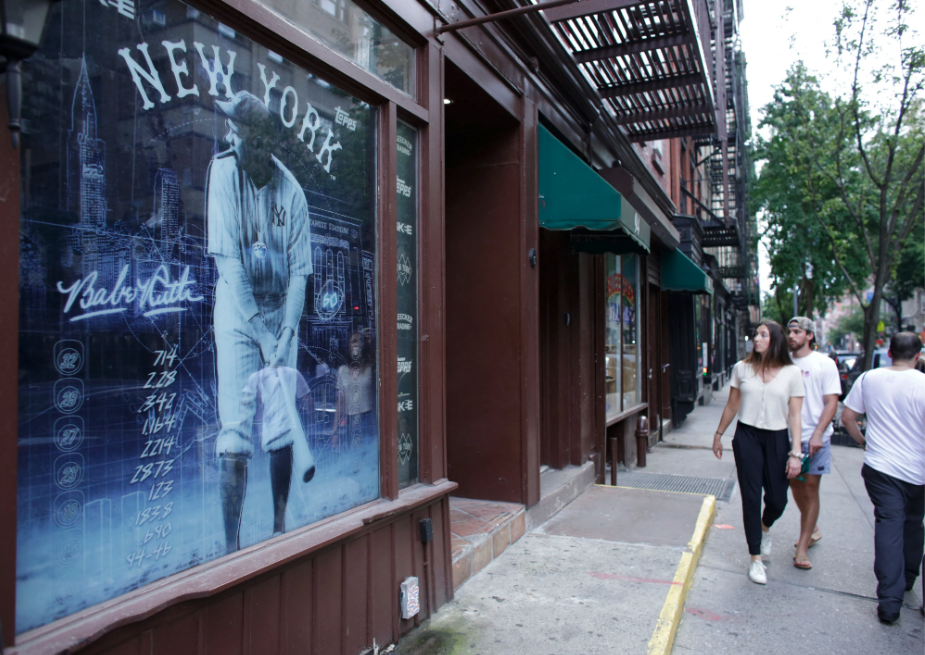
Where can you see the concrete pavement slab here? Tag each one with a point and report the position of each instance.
(556, 595)
(726, 613)
(629, 515)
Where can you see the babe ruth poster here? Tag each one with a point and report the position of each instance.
(198, 335)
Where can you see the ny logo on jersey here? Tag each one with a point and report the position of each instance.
(279, 216)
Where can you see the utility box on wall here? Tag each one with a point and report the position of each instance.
(410, 598)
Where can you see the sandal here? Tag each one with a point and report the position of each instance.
(804, 563)
(813, 538)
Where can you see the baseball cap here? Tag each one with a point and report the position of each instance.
(244, 107)
(805, 324)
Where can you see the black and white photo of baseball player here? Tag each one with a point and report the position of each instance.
(258, 232)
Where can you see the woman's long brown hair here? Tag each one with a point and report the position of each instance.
(777, 352)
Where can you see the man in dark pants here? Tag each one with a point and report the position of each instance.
(894, 467)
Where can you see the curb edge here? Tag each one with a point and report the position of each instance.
(670, 617)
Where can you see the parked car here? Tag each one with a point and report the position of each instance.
(880, 359)
(844, 360)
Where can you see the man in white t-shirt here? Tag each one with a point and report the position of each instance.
(894, 467)
(820, 380)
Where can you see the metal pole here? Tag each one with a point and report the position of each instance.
(452, 27)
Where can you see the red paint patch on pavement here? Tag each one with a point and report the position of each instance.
(723, 526)
(706, 615)
(628, 578)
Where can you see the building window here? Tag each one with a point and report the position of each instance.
(346, 28)
(198, 294)
(407, 297)
(622, 353)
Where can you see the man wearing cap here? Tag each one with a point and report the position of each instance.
(258, 233)
(822, 386)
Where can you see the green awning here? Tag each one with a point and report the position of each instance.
(572, 195)
(679, 273)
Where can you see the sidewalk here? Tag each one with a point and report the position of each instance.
(602, 574)
(829, 609)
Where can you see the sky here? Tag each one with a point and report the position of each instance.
(777, 33)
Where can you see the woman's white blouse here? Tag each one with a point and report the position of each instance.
(765, 406)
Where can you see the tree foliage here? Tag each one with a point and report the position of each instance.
(843, 182)
(850, 323)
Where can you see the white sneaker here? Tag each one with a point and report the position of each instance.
(766, 544)
(756, 572)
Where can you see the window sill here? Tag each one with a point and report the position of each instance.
(626, 414)
(86, 626)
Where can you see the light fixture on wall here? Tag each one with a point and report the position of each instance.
(21, 25)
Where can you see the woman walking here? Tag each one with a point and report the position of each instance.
(767, 394)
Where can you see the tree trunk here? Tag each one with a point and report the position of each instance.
(872, 311)
(809, 297)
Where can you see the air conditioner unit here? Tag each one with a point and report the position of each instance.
(154, 17)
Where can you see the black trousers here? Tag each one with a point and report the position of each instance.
(761, 462)
(899, 535)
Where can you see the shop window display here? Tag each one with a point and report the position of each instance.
(632, 354)
(613, 339)
(198, 326)
(622, 354)
(407, 188)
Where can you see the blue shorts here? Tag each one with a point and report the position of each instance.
(822, 462)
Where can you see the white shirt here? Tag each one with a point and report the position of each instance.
(894, 402)
(820, 379)
(766, 405)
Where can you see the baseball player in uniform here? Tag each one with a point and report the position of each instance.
(258, 233)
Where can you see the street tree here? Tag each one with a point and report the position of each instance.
(908, 274)
(845, 182)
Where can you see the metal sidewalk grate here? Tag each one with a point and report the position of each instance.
(719, 487)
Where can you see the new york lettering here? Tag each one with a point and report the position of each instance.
(147, 78)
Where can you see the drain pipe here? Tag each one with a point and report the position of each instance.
(642, 441)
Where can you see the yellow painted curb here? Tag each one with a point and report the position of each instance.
(667, 626)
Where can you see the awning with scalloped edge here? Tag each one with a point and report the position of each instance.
(572, 195)
(679, 273)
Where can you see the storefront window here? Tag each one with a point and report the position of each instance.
(622, 359)
(198, 327)
(632, 354)
(407, 188)
(349, 30)
(613, 338)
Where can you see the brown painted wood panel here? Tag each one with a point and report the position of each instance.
(439, 561)
(356, 595)
(140, 645)
(404, 565)
(295, 616)
(388, 307)
(327, 601)
(177, 637)
(262, 607)
(419, 564)
(586, 356)
(529, 305)
(224, 623)
(9, 367)
(381, 576)
(484, 423)
(431, 335)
